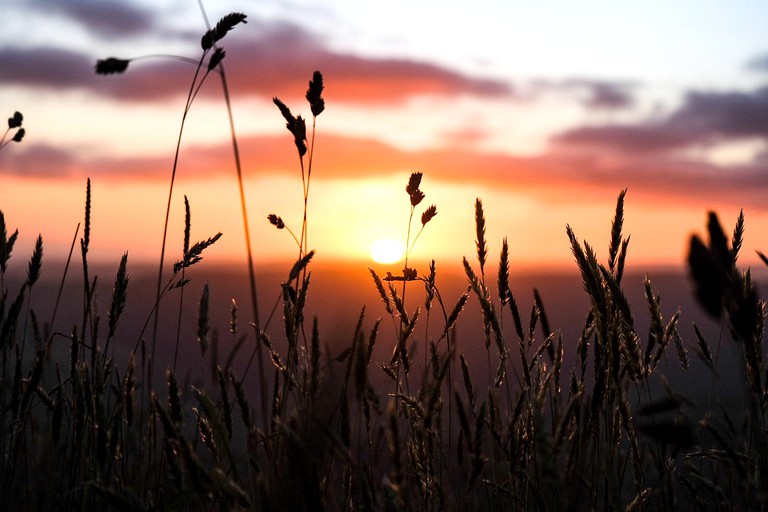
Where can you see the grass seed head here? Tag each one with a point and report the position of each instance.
(216, 58)
(314, 94)
(15, 120)
(35, 263)
(218, 32)
(111, 66)
(428, 214)
(6, 244)
(413, 183)
(276, 221)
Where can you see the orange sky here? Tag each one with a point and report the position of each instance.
(541, 146)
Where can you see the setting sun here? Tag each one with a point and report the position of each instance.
(387, 250)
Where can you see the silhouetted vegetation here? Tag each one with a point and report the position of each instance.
(556, 421)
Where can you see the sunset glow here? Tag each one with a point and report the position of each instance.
(387, 250)
(415, 255)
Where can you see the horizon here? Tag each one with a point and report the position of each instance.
(340, 293)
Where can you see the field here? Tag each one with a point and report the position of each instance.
(436, 386)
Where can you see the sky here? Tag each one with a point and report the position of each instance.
(543, 110)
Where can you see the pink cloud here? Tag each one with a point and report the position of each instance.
(263, 59)
(558, 176)
(106, 19)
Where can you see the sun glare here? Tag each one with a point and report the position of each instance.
(387, 250)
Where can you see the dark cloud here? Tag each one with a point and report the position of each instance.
(59, 70)
(262, 59)
(603, 94)
(277, 59)
(48, 68)
(593, 94)
(274, 53)
(39, 161)
(651, 155)
(704, 118)
(641, 138)
(723, 115)
(107, 19)
(609, 96)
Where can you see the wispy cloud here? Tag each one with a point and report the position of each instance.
(715, 115)
(554, 176)
(265, 59)
(592, 93)
(659, 155)
(628, 138)
(104, 19)
(45, 68)
(40, 160)
(704, 118)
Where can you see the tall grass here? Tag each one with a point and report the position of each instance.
(555, 421)
(210, 60)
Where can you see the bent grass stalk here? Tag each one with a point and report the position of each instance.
(209, 47)
(187, 107)
(244, 214)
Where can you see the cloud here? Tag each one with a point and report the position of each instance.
(556, 176)
(38, 161)
(593, 94)
(278, 58)
(660, 155)
(605, 95)
(723, 115)
(758, 63)
(106, 19)
(263, 59)
(48, 68)
(266, 59)
(704, 118)
(59, 69)
(642, 138)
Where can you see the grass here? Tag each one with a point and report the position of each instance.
(555, 421)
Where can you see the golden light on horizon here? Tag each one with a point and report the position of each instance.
(387, 250)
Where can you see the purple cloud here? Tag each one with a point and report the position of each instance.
(49, 68)
(39, 161)
(605, 95)
(263, 59)
(268, 59)
(727, 115)
(650, 155)
(594, 94)
(703, 118)
(555, 176)
(106, 19)
(640, 138)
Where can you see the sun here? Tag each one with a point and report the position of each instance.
(387, 250)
